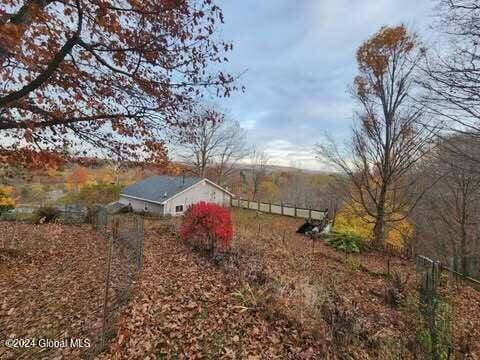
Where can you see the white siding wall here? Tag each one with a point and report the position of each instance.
(140, 205)
(203, 191)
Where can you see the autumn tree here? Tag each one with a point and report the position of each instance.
(101, 76)
(388, 138)
(7, 201)
(258, 171)
(269, 191)
(78, 177)
(214, 142)
(232, 150)
(106, 175)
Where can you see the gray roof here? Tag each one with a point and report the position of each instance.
(115, 207)
(160, 188)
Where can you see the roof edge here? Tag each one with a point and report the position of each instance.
(201, 179)
(218, 186)
(143, 199)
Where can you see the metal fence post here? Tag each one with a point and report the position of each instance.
(141, 239)
(107, 287)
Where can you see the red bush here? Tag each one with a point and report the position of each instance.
(207, 225)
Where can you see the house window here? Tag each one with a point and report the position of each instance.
(179, 208)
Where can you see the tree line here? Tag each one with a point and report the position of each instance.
(414, 152)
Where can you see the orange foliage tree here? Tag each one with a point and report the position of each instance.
(388, 138)
(78, 177)
(103, 76)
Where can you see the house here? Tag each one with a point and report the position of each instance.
(171, 195)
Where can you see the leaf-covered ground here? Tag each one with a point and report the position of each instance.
(186, 306)
(360, 279)
(52, 287)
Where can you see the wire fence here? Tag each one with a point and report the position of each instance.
(429, 270)
(123, 262)
(468, 266)
(280, 209)
(68, 214)
(435, 307)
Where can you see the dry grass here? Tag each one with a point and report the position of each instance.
(369, 304)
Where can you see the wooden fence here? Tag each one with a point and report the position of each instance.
(279, 209)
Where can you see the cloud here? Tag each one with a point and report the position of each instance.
(300, 60)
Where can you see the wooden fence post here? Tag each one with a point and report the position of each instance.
(281, 208)
(295, 210)
(310, 213)
(270, 208)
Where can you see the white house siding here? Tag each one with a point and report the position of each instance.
(141, 205)
(202, 191)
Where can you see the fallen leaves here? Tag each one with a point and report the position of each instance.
(52, 288)
(183, 308)
(186, 307)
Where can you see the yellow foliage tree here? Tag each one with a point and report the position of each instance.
(105, 175)
(7, 201)
(353, 220)
(269, 191)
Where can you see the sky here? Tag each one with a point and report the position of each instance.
(299, 58)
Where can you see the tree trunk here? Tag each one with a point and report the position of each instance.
(463, 238)
(379, 229)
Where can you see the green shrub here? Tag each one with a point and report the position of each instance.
(345, 242)
(6, 208)
(46, 214)
(8, 216)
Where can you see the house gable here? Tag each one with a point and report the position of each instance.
(203, 181)
(202, 191)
